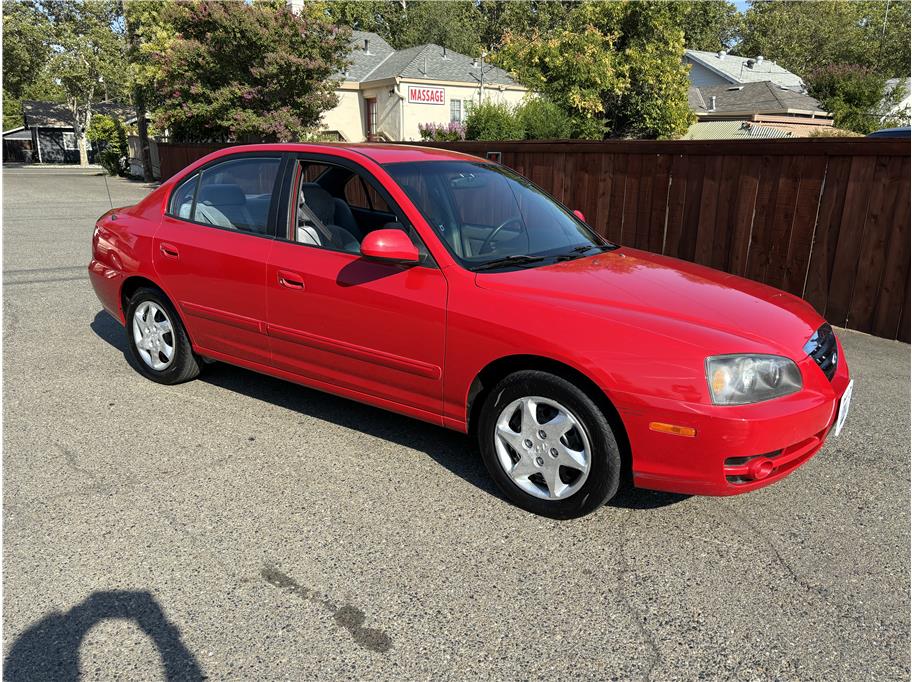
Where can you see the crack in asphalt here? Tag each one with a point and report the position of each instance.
(813, 594)
(347, 616)
(639, 616)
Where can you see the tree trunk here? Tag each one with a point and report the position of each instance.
(83, 152)
(142, 128)
(139, 99)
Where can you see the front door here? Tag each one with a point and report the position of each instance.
(370, 118)
(211, 250)
(369, 330)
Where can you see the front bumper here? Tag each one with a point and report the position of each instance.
(787, 431)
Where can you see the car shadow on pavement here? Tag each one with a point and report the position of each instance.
(454, 451)
(49, 649)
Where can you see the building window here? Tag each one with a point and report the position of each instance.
(456, 110)
(371, 117)
(69, 141)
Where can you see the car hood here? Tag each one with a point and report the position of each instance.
(671, 291)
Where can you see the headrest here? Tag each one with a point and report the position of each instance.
(319, 201)
(222, 195)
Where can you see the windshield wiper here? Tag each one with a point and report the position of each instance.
(515, 259)
(580, 250)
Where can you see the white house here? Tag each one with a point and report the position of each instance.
(386, 93)
(720, 68)
(904, 106)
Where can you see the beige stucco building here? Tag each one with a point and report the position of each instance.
(385, 93)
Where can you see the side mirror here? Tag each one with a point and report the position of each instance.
(389, 245)
(579, 214)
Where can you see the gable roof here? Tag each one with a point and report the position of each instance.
(424, 62)
(55, 115)
(752, 98)
(737, 69)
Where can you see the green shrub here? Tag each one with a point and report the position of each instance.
(542, 119)
(493, 121)
(108, 137)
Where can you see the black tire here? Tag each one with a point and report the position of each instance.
(605, 468)
(184, 365)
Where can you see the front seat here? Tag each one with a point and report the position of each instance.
(321, 204)
(344, 218)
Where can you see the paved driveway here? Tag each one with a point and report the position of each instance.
(239, 527)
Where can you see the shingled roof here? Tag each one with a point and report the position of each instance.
(39, 114)
(751, 98)
(737, 69)
(423, 62)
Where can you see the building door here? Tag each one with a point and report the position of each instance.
(370, 118)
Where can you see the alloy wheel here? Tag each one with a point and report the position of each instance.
(153, 335)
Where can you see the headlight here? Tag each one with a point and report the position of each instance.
(743, 379)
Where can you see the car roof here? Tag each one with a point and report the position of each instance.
(891, 132)
(379, 152)
(401, 153)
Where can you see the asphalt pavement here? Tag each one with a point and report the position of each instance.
(241, 527)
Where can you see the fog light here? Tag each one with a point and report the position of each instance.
(760, 468)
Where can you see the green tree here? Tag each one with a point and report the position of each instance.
(492, 121)
(455, 24)
(711, 25)
(617, 67)
(26, 54)
(857, 97)
(240, 70)
(520, 17)
(108, 136)
(150, 30)
(542, 119)
(88, 57)
(804, 36)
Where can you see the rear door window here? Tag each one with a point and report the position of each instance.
(236, 194)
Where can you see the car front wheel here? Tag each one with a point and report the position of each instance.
(157, 340)
(548, 445)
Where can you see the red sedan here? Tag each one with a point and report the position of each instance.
(453, 290)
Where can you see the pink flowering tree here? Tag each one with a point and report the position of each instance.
(244, 72)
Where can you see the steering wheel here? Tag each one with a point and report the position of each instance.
(496, 231)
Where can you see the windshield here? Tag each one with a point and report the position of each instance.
(490, 217)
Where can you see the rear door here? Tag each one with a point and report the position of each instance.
(211, 251)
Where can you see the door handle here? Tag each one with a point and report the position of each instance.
(168, 250)
(290, 280)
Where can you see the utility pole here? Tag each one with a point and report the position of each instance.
(481, 79)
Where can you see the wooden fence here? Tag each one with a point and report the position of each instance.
(825, 219)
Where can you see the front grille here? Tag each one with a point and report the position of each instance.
(822, 348)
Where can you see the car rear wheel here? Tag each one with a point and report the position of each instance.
(548, 445)
(157, 340)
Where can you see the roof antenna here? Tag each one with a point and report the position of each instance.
(107, 189)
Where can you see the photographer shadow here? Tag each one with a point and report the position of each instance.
(49, 649)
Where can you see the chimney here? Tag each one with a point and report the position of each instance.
(759, 59)
(475, 63)
(712, 103)
(367, 43)
(721, 54)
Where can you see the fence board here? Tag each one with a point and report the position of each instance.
(848, 243)
(826, 219)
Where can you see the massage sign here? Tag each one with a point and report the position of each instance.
(421, 95)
